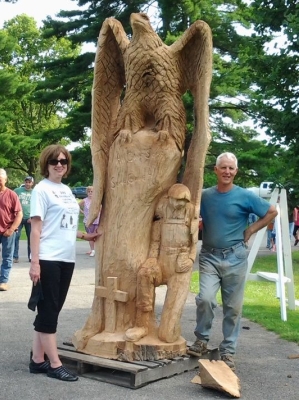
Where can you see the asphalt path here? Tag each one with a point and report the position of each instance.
(263, 367)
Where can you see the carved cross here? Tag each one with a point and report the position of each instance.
(112, 295)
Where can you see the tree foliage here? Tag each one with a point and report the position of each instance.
(29, 121)
(231, 88)
(276, 98)
(249, 83)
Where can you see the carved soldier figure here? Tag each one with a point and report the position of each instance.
(170, 260)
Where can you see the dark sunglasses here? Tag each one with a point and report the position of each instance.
(63, 161)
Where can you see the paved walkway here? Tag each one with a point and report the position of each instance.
(264, 370)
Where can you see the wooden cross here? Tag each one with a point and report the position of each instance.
(112, 295)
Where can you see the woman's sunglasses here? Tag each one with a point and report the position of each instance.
(63, 161)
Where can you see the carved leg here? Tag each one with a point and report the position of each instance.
(163, 132)
(171, 117)
(141, 328)
(132, 122)
(148, 277)
(177, 291)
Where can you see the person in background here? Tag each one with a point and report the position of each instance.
(270, 227)
(296, 224)
(24, 194)
(84, 207)
(291, 222)
(273, 239)
(10, 218)
(52, 256)
(225, 209)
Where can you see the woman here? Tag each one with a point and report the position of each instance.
(54, 221)
(84, 207)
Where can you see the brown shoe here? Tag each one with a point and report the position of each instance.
(198, 348)
(229, 361)
(3, 287)
(15, 260)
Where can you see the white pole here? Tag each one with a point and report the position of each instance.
(281, 287)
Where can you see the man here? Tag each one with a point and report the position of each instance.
(10, 218)
(223, 258)
(24, 194)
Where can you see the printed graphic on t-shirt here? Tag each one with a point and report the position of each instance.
(25, 198)
(67, 221)
(70, 216)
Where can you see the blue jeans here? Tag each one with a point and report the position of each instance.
(291, 229)
(8, 244)
(225, 269)
(27, 226)
(269, 233)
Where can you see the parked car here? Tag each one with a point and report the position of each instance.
(79, 192)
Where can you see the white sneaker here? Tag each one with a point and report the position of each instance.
(91, 253)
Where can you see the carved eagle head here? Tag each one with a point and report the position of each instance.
(141, 26)
(140, 23)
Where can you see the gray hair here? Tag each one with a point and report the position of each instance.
(229, 156)
(3, 172)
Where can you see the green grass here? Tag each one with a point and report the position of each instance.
(260, 302)
(81, 227)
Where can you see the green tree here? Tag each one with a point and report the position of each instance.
(81, 174)
(276, 76)
(239, 90)
(28, 122)
(276, 73)
(231, 88)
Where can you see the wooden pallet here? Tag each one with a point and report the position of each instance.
(128, 374)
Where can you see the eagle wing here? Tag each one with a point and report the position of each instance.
(195, 51)
(108, 83)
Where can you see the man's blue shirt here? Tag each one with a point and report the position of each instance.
(225, 215)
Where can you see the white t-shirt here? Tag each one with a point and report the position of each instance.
(58, 209)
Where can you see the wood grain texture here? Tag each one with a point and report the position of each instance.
(137, 148)
(217, 375)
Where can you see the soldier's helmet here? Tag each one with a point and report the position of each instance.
(179, 191)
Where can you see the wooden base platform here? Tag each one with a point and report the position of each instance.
(128, 374)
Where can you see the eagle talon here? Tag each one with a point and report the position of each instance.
(125, 136)
(163, 136)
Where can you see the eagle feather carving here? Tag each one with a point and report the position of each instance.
(154, 77)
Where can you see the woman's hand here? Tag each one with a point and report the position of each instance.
(34, 272)
(92, 237)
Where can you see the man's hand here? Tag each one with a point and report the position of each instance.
(8, 232)
(183, 264)
(247, 235)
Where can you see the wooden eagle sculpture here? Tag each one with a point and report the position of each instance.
(138, 136)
